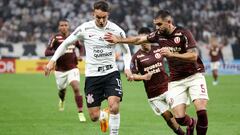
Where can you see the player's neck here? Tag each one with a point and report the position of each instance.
(172, 28)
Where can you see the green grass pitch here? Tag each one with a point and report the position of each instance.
(28, 106)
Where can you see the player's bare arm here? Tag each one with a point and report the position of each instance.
(138, 77)
(49, 67)
(190, 56)
(136, 40)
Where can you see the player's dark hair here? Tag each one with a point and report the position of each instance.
(162, 14)
(144, 30)
(63, 20)
(102, 5)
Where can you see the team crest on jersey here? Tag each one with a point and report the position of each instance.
(158, 55)
(90, 98)
(177, 40)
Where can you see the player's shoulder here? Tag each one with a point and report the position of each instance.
(138, 54)
(182, 30)
(114, 27)
(86, 25)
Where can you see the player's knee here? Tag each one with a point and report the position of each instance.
(94, 117)
(114, 108)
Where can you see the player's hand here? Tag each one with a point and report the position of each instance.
(147, 76)
(49, 67)
(79, 58)
(165, 52)
(109, 37)
(129, 74)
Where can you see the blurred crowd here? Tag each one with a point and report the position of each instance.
(36, 20)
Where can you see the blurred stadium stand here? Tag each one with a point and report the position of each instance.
(26, 25)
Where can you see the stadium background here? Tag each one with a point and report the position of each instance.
(28, 100)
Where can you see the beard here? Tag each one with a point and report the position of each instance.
(164, 32)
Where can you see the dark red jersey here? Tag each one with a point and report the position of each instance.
(179, 41)
(144, 62)
(67, 61)
(215, 53)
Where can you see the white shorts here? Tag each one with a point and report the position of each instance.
(193, 86)
(215, 65)
(65, 78)
(159, 104)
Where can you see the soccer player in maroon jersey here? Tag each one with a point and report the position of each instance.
(66, 71)
(215, 53)
(186, 68)
(147, 65)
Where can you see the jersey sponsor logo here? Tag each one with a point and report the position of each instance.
(155, 68)
(177, 40)
(158, 55)
(144, 59)
(104, 68)
(90, 98)
(102, 51)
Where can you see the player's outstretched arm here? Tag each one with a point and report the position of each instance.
(190, 56)
(138, 77)
(49, 67)
(134, 40)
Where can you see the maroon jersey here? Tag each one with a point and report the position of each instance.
(179, 41)
(144, 62)
(215, 53)
(67, 61)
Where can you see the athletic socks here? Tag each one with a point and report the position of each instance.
(202, 123)
(79, 102)
(114, 123)
(184, 121)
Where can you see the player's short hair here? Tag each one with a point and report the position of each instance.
(163, 14)
(144, 30)
(102, 5)
(63, 20)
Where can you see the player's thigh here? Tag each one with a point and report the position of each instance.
(113, 85)
(94, 91)
(197, 87)
(61, 79)
(159, 104)
(73, 75)
(177, 93)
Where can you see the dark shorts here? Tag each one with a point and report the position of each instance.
(100, 88)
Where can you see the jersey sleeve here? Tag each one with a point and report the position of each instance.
(76, 35)
(134, 65)
(126, 52)
(190, 41)
(50, 48)
(153, 37)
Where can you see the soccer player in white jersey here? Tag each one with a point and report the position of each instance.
(102, 75)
